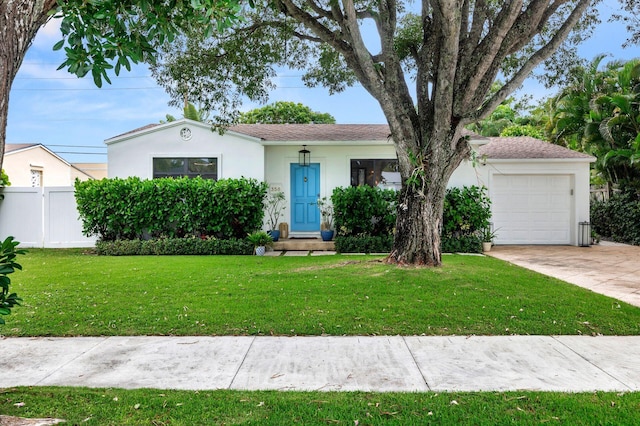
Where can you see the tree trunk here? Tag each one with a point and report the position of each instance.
(19, 23)
(421, 205)
(418, 226)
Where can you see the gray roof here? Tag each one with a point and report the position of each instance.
(314, 132)
(512, 148)
(321, 132)
(526, 147)
(307, 132)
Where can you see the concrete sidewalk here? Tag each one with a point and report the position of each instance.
(392, 363)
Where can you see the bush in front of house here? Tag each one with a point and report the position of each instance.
(617, 218)
(365, 218)
(132, 208)
(364, 210)
(364, 243)
(466, 215)
(175, 246)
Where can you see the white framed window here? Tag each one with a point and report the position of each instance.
(207, 168)
(376, 172)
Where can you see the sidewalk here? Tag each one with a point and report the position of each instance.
(391, 363)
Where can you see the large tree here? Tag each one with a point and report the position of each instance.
(99, 35)
(283, 112)
(430, 69)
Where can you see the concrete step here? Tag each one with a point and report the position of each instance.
(303, 244)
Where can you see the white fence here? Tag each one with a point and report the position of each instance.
(42, 217)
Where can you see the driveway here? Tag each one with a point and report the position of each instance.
(607, 268)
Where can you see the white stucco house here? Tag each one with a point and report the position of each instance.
(539, 191)
(34, 165)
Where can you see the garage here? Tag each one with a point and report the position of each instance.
(532, 209)
(539, 191)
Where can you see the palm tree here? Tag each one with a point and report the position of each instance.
(600, 115)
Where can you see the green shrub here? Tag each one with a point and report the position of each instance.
(467, 211)
(363, 243)
(175, 246)
(617, 218)
(4, 181)
(461, 244)
(8, 265)
(364, 210)
(129, 209)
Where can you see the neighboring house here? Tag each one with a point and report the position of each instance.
(34, 165)
(539, 191)
(95, 170)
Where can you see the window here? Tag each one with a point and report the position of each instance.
(36, 178)
(381, 173)
(207, 168)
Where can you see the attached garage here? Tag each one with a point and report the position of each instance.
(539, 191)
(532, 209)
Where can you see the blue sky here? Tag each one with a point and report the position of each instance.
(73, 117)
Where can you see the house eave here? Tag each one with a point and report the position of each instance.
(171, 124)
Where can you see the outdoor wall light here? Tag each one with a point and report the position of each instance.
(304, 156)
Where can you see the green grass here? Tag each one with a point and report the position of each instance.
(69, 293)
(157, 407)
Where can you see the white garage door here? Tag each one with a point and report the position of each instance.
(532, 209)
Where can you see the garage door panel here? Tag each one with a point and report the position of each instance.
(532, 209)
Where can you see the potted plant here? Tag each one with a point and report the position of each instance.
(487, 239)
(326, 226)
(260, 240)
(274, 206)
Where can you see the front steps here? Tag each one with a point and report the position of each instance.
(303, 244)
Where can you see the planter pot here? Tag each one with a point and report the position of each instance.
(486, 246)
(260, 250)
(326, 235)
(275, 234)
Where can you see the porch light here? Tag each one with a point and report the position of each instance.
(304, 156)
(584, 234)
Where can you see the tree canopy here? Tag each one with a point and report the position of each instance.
(101, 36)
(282, 112)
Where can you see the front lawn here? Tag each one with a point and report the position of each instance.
(69, 293)
(165, 407)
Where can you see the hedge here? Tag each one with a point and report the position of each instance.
(365, 219)
(129, 209)
(364, 210)
(175, 246)
(617, 218)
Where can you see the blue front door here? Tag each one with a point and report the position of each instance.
(305, 190)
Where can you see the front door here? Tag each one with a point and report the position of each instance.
(305, 190)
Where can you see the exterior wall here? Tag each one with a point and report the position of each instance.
(577, 170)
(42, 217)
(237, 156)
(95, 170)
(18, 166)
(335, 167)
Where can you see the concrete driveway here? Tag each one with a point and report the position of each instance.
(607, 268)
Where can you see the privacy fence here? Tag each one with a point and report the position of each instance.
(42, 217)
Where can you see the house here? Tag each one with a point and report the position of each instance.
(539, 191)
(34, 165)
